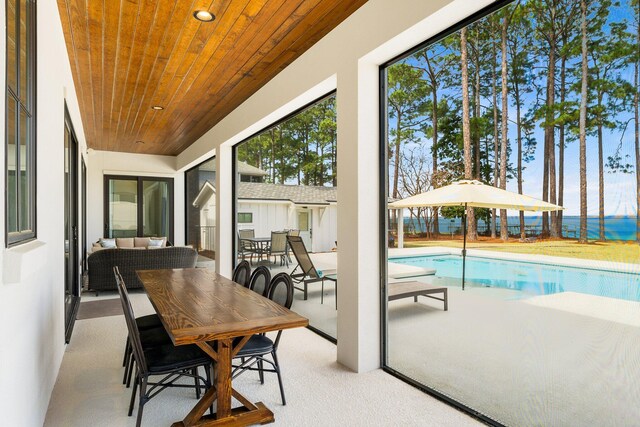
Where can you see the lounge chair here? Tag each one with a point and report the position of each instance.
(399, 290)
(305, 272)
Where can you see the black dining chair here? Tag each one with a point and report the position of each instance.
(172, 362)
(260, 279)
(242, 273)
(257, 349)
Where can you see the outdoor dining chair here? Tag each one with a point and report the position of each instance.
(242, 273)
(246, 247)
(171, 362)
(256, 351)
(278, 247)
(305, 272)
(259, 281)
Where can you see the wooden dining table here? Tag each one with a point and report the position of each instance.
(198, 306)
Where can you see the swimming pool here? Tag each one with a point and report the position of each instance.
(533, 278)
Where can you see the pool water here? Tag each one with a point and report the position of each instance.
(534, 278)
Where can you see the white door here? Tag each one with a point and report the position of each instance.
(304, 225)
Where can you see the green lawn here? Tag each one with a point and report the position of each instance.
(605, 251)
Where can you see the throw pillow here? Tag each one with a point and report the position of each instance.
(140, 242)
(163, 241)
(155, 243)
(124, 242)
(108, 243)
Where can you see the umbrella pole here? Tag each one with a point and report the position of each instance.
(464, 240)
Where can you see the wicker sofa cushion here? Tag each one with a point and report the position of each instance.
(128, 242)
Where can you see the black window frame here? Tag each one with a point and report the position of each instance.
(234, 162)
(29, 233)
(186, 195)
(383, 201)
(140, 205)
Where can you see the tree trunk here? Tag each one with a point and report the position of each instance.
(334, 160)
(549, 131)
(396, 168)
(636, 79)
(504, 227)
(601, 235)
(519, 137)
(496, 144)
(583, 125)
(476, 115)
(472, 232)
(563, 78)
(273, 156)
(434, 153)
(396, 156)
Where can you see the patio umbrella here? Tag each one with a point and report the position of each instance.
(472, 193)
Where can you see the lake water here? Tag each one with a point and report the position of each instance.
(615, 228)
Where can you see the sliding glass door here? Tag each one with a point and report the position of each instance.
(71, 259)
(201, 207)
(138, 206)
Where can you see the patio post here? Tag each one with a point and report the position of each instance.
(400, 228)
(464, 241)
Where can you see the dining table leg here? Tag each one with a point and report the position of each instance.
(223, 392)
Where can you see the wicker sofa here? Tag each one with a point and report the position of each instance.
(101, 263)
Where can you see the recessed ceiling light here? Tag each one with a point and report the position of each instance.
(157, 107)
(203, 15)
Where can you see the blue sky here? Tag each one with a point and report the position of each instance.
(619, 188)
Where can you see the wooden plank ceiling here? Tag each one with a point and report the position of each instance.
(129, 55)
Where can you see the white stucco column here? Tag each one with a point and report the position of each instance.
(224, 238)
(358, 217)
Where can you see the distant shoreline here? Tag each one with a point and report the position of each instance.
(616, 227)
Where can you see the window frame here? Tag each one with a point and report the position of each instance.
(236, 177)
(139, 180)
(250, 214)
(186, 194)
(23, 234)
(383, 207)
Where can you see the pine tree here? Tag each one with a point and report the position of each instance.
(472, 232)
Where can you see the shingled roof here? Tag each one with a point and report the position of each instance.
(298, 194)
(246, 169)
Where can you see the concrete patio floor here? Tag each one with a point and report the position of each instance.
(562, 359)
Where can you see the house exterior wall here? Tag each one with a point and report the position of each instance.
(32, 274)
(271, 216)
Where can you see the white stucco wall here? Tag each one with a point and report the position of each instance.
(348, 59)
(112, 163)
(32, 280)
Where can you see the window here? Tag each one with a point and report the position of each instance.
(200, 193)
(536, 97)
(20, 202)
(138, 206)
(245, 218)
(286, 179)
